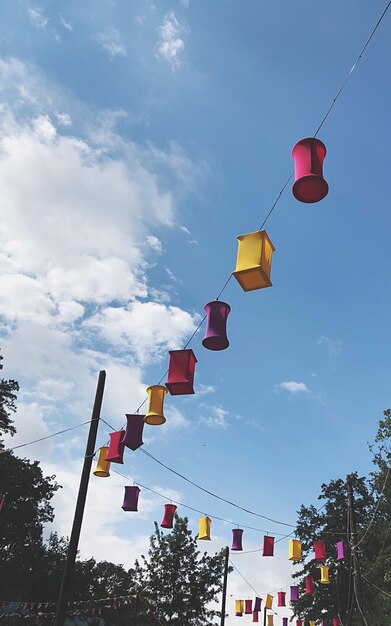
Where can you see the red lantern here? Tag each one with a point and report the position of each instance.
(115, 452)
(181, 372)
(309, 584)
(268, 546)
(255, 616)
(248, 607)
(281, 598)
(308, 155)
(320, 551)
(168, 519)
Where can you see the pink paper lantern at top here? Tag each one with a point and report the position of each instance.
(115, 452)
(341, 550)
(308, 155)
(268, 546)
(133, 437)
(168, 519)
(255, 616)
(281, 598)
(216, 325)
(237, 534)
(320, 551)
(248, 607)
(181, 372)
(309, 585)
(131, 498)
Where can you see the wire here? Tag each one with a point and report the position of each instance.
(374, 513)
(376, 587)
(245, 579)
(60, 432)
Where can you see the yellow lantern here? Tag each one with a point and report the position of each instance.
(294, 550)
(312, 622)
(239, 607)
(270, 620)
(254, 260)
(102, 467)
(204, 528)
(268, 601)
(155, 416)
(324, 575)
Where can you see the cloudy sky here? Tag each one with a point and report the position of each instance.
(137, 141)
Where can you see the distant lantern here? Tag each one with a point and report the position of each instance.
(324, 575)
(294, 550)
(341, 550)
(324, 622)
(281, 598)
(168, 519)
(268, 546)
(299, 622)
(320, 551)
(115, 452)
(239, 608)
(255, 616)
(336, 621)
(216, 325)
(309, 584)
(131, 498)
(102, 467)
(2, 503)
(308, 155)
(133, 437)
(312, 622)
(237, 534)
(248, 607)
(294, 596)
(254, 261)
(204, 528)
(257, 604)
(181, 372)
(284, 621)
(270, 621)
(268, 601)
(155, 416)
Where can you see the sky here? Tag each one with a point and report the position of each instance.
(138, 139)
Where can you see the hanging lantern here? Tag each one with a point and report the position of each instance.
(270, 621)
(133, 437)
(309, 584)
(181, 372)
(248, 607)
(254, 260)
(281, 598)
(204, 528)
(237, 539)
(257, 604)
(312, 622)
(324, 622)
(294, 550)
(115, 452)
(102, 467)
(255, 616)
(268, 546)
(341, 550)
(324, 575)
(268, 601)
(216, 325)
(336, 621)
(284, 621)
(168, 519)
(131, 498)
(294, 597)
(2, 503)
(308, 155)
(320, 551)
(155, 416)
(299, 622)
(239, 608)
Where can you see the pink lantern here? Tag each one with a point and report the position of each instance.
(115, 452)
(281, 598)
(320, 551)
(237, 534)
(255, 616)
(309, 584)
(248, 607)
(268, 546)
(181, 372)
(133, 437)
(216, 325)
(308, 155)
(2, 503)
(294, 593)
(168, 519)
(336, 621)
(341, 550)
(131, 498)
(299, 622)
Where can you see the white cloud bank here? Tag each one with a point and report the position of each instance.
(292, 387)
(170, 45)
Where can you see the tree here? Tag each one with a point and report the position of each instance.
(7, 403)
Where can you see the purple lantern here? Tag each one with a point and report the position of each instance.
(131, 498)
(257, 604)
(237, 539)
(294, 593)
(133, 437)
(284, 621)
(341, 550)
(324, 622)
(216, 325)
(308, 155)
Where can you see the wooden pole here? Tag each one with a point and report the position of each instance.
(80, 504)
(264, 617)
(224, 598)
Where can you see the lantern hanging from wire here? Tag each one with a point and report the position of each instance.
(204, 528)
(155, 415)
(248, 607)
(268, 546)
(255, 616)
(294, 550)
(312, 622)
(268, 601)
(281, 598)
(254, 261)
(284, 621)
(257, 604)
(237, 534)
(131, 498)
(308, 155)
(336, 621)
(294, 593)
(309, 585)
(115, 452)
(324, 622)
(216, 325)
(239, 608)
(102, 469)
(341, 550)
(320, 551)
(181, 369)
(168, 519)
(270, 620)
(299, 622)
(324, 575)
(133, 437)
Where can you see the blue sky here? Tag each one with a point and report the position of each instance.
(138, 139)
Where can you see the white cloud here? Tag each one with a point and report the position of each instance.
(215, 418)
(293, 387)
(63, 119)
(185, 3)
(333, 347)
(111, 42)
(154, 243)
(37, 17)
(170, 45)
(65, 24)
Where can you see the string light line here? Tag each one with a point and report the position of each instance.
(376, 587)
(375, 511)
(60, 432)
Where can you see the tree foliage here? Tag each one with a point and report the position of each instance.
(8, 389)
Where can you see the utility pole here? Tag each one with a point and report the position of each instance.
(264, 616)
(357, 582)
(80, 504)
(224, 598)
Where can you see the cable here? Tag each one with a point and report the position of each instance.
(376, 587)
(60, 432)
(375, 511)
(245, 579)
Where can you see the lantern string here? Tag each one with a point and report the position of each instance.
(250, 585)
(60, 432)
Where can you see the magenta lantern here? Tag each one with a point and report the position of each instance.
(308, 155)
(336, 621)
(237, 534)
(281, 598)
(341, 550)
(133, 437)
(115, 452)
(248, 607)
(168, 519)
(216, 325)
(324, 622)
(255, 616)
(320, 551)
(131, 498)
(294, 593)
(309, 584)
(299, 622)
(181, 372)
(257, 604)
(268, 546)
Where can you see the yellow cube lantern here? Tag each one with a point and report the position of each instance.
(268, 601)
(155, 416)
(270, 621)
(254, 261)
(102, 467)
(324, 575)
(204, 528)
(239, 607)
(294, 550)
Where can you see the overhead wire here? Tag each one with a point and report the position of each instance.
(375, 511)
(60, 432)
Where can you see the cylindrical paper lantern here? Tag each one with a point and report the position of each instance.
(257, 604)
(308, 155)
(281, 598)
(320, 551)
(299, 622)
(254, 261)
(204, 528)
(155, 416)
(133, 437)
(324, 622)
(294, 550)
(115, 452)
(255, 616)
(336, 621)
(341, 550)
(312, 622)
(324, 575)
(237, 534)
(294, 597)
(102, 467)
(284, 621)
(181, 372)
(248, 607)
(239, 607)
(168, 519)
(216, 325)
(268, 546)
(270, 620)
(131, 498)
(268, 601)
(309, 584)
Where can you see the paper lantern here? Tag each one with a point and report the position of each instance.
(168, 519)
(268, 546)
(281, 598)
(255, 616)
(294, 597)
(299, 622)
(257, 604)
(155, 416)
(102, 467)
(312, 622)
(309, 584)
(336, 621)
(204, 528)
(239, 607)
(320, 551)
(341, 550)
(284, 621)
(237, 539)
(115, 452)
(131, 498)
(248, 607)
(294, 550)
(324, 575)
(268, 601)
(133, 437)
(181, 372)
(216, 325)
(270, 620)
(2, 503)
(308, 155)
(324, 622)
(254, 260)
